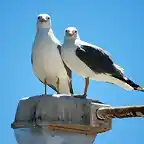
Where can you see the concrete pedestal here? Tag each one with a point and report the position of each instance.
(58, 119)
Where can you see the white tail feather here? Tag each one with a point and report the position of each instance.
(110, 79)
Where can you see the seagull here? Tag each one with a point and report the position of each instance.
(92, 62)
(46, 60)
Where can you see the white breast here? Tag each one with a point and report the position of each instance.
(47, 62)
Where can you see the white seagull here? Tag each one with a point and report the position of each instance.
(92, 62)
(46, 60)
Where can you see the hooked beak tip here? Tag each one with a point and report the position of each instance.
(43, 20)
(71, 34)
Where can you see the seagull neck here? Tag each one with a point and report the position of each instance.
(70, 41)
(42, 33)
(43, 30)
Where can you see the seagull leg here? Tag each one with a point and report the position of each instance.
(86, 87)
(85, 90)
(45, 83)
(57, 83)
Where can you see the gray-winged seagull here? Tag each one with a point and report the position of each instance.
(46, 60)
(90, 61)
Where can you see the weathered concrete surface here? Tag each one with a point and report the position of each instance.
(58, 119)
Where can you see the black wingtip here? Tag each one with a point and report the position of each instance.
(139, 89)
(134, 85)
(53, 87)
(71, 90)
(130, 82)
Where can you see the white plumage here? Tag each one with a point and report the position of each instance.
(92, 62)
(46, 59)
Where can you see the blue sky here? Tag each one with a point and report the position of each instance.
(115, 25)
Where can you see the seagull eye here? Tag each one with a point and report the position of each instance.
(39, 17)
(48, 17)
(75, 31)
(66, 31)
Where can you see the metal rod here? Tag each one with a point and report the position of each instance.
(120, 112)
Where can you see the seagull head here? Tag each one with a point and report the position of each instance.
(43, 21)
(71, 33)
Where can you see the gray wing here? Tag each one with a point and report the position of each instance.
(97, 60)
(69, 72)
(100, 62)
(51, 86)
